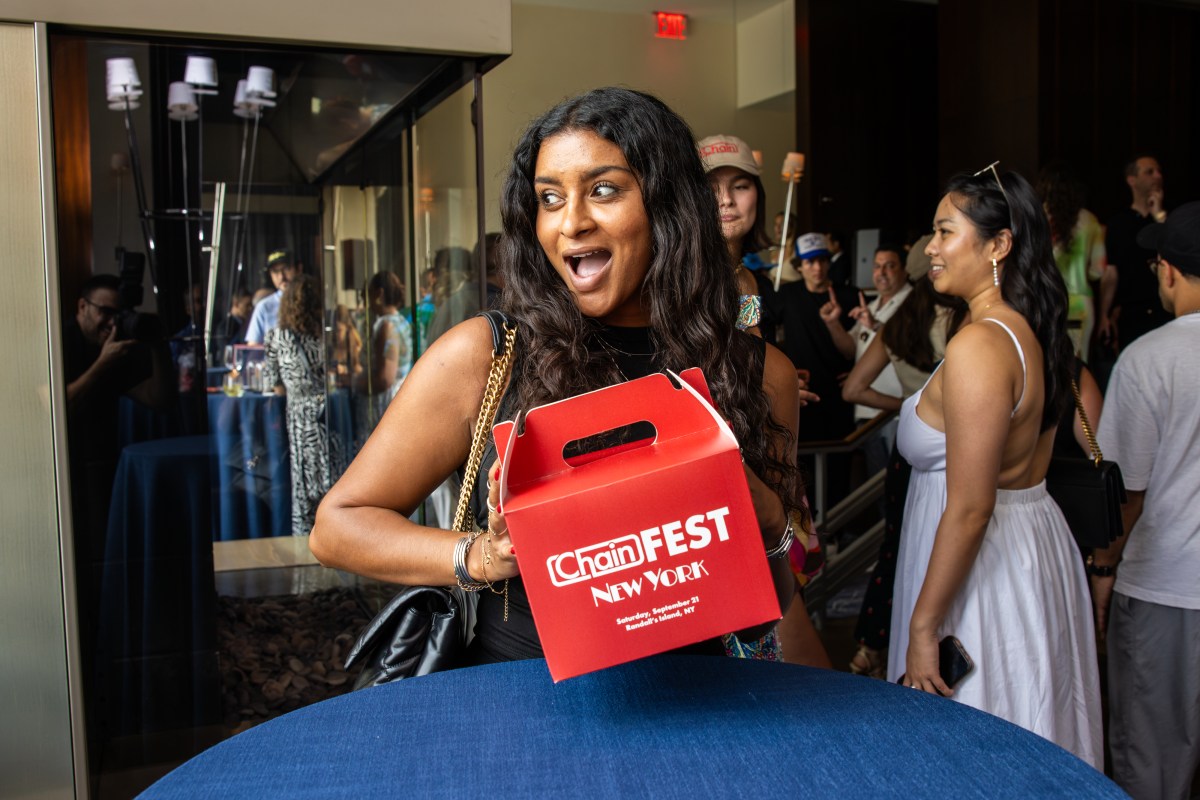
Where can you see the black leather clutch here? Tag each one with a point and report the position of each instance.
(1090, 496)
(1090, 492)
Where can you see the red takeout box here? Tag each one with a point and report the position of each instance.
(639, 549)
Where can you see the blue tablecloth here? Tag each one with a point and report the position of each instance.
(254, 477)
(254, 498)
(157, 630)
(215, 376)
(137, 423)
(670, 726)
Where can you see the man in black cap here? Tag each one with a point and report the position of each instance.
(1145, 585)
(282, 269)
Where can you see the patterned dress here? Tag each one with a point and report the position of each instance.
(397, 344)
(294, 360)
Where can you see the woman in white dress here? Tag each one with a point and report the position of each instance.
(985, 554)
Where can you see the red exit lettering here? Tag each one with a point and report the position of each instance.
(670, 26)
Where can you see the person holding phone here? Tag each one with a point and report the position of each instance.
(985, 553)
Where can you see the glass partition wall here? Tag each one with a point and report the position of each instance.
(256, 244)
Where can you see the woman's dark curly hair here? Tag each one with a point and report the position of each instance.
(689, 289)
(1062, 196)
(300, 306)
(1030, 282)
(906, 334)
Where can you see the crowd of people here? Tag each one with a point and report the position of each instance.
(629, 248)
(975, 334)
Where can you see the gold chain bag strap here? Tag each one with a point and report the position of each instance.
(425, 629)
(1086, 424)
(497, 380)
(502, 350)
(1089, 491)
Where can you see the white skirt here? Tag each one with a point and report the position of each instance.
(1024, 615)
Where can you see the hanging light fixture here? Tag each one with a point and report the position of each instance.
(122, 88)
(201, 74)
(181, 102)
(122, 84)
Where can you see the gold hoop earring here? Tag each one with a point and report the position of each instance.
(995, 273)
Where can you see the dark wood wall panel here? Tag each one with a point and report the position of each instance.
(872, 67)
(72, 166)
(894, 97)
(987, 100)
(1118, 78)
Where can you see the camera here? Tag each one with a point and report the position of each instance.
(131, 324)
(138, 326)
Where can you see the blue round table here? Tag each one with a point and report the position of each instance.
(669, 726)
(254, 476)
(157, 642)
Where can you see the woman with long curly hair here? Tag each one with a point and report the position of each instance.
(295, 367)
(985, 553)
(614, 268)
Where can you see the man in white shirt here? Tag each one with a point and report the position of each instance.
(282, 269)
(891, 283)
(1150, 604)
(892, 287)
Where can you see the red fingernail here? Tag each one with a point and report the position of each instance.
(512, 551)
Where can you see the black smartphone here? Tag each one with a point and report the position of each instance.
(954, 663)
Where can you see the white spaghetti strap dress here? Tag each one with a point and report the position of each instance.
(1024, 613)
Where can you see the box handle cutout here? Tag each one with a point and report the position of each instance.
(578, 452)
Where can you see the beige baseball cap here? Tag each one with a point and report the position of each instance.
(727, 151)
(917, 264)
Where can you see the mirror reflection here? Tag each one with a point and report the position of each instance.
(258, 254)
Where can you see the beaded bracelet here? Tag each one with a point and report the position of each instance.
(785, 543)
(465, 581)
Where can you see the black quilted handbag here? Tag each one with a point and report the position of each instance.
(1090, 492)
(426, 629)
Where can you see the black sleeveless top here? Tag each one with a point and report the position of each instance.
(516, 639)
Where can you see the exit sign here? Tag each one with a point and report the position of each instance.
(670, 26)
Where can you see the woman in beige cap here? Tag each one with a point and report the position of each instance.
(734, 176)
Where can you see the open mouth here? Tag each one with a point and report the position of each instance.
(585, 265)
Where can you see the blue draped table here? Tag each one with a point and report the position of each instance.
(253, 469)
(157, 619)
(137, 423)
(669, 726)
(254, 479)
(214, 377)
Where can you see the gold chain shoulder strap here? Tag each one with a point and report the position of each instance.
(497, 378)
(1097, 456)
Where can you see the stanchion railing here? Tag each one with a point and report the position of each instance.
(847, 564)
